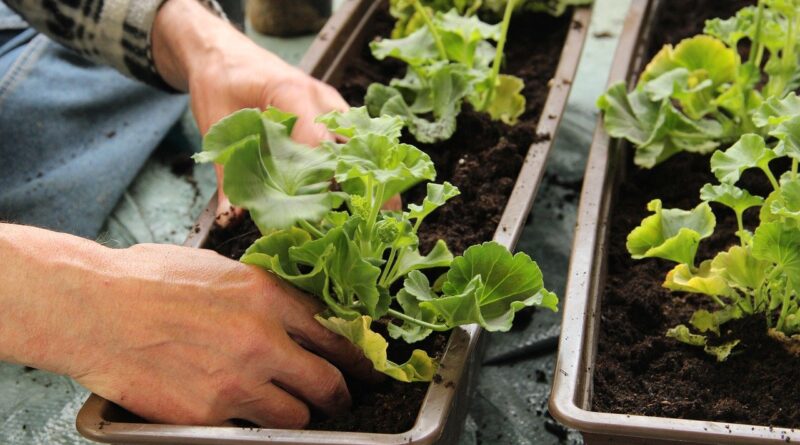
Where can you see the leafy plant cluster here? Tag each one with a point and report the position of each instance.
(450, 59)
(363, 262)
(701, 94)
(409, 18)
(761, 274)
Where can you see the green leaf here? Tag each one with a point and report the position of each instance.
(414, 49)
(507, 103)
(461, 36)
(740, 269)
(657, 129)
(271, 252)
(788, 134)
(705, 321)
(780, 246)
(351, 275)
(684, 335)
(383, 160)
(416, 289)
(723, 351)
(705, 280)
(228, 132)
(411, 259)
(749, 152)
(731, 196)
(488, 285)
(437, 195)
(733, 29)
(671, 234)
(775, 110)
(696, 54)
(419, 368)
(357, 122)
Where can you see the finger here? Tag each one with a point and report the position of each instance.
(308, 132)
(312, 379)
(394, 203)
(300, 324)
(272, 407)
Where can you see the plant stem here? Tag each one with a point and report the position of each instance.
(498, 55)
(771, 178)
(476, 5)
(740, 223)
(424, 324)
(386, 267)
(784, 307)
(436, 38)
(310, 228)
(758, 52)
(794, 168)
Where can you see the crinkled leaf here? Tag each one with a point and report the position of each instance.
(414, 49)
(437, 195)
(272, 253)
(658, 130)
(775, 110)
(507, 103)
(705, 321)
(705, 280)
(461, 36)
(671, 234)
(357, 122)
(419, 368)
(788, 134)
(698, 53)
(379, 158)
(487, 285)
(740, 268)
(787, 203)
(416, 288)
(749, 152)
(723, 351)
(684, 335)
(351, 275)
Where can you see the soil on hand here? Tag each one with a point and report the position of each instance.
(641, 371)
(483, 159)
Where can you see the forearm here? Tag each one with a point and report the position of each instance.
(47, 282)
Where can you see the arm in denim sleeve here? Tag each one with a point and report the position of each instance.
(113, 32)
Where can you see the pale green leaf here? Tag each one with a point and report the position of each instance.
(749, 152)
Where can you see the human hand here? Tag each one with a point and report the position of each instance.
(190, 337)
(224, 71)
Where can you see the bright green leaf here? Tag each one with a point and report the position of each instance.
(749, 152)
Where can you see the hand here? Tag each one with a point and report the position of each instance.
(173, 334)
(224, 71)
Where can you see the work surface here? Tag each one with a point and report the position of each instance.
(510, 406)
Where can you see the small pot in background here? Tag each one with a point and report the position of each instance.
(287, 18)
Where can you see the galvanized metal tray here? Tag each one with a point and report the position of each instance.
(571, 398)
(444, 408)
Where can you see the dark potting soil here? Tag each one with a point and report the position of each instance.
(641, 371)
(483, 159)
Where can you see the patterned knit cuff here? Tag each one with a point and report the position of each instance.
(136, 56)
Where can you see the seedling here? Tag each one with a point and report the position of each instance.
(340, 246)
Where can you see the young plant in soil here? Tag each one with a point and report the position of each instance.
(363, 262)
(409, 17)
(761, 274)
(450, 59)
(702, 94)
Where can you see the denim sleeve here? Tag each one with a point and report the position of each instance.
(111, 32)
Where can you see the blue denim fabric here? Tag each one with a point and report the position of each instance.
(73, 134)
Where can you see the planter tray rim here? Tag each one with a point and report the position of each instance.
(444, 406)
(572, 385)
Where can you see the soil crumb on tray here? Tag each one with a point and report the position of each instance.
(641, 371)
(483, 159)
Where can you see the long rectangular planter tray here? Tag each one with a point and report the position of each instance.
(444, 408)
(571, 397)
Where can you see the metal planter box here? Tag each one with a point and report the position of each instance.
(445, 407)
(571, 398)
